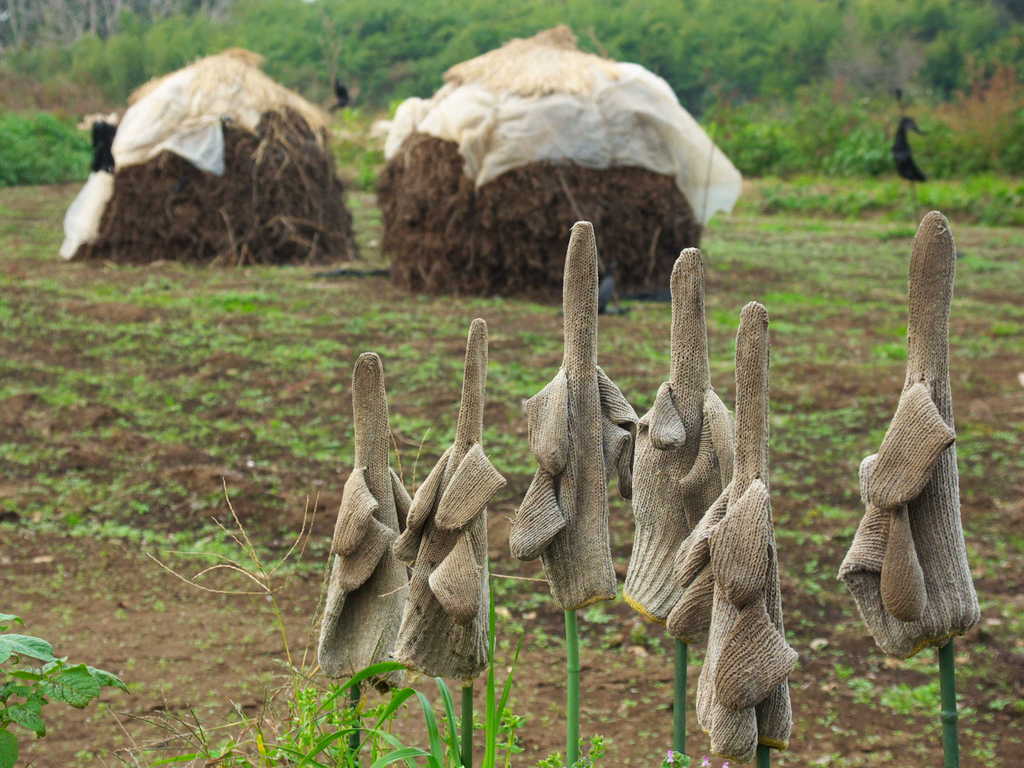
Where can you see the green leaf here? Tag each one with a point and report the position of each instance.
(506, 688)
(177, 759)
(399, 754)
(8, 749)
(24, 674)
(74, 685)
(9, 618)
(25, 645)
(436, 758)
(14, 689)
(398, 698)
(380, 669)
(308, 758)
(107, 679)
(27, 717)
(449, 712)
(305, 759)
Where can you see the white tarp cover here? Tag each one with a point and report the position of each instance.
(183, 111)
(164, 119)
(82, 220)
(631, 118)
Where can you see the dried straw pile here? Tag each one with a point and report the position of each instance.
(484, 180)
(278, 200)
(445, 235)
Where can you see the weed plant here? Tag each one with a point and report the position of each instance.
(328, 726)
(30, 678)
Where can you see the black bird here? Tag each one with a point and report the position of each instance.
(901, 155)
(340, 94)
(102, 143)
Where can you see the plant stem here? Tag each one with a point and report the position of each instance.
(947, 684)
(679, 704)
(467, 726)
(280, 621)
(764, 756)
(493, 717)
(355, 694)
(572, 705)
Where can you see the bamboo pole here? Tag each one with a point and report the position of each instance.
(467, 726)
(572, 707)
(679, 703)
(764, 756)
(947, 683)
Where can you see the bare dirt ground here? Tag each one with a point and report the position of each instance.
(129, 395)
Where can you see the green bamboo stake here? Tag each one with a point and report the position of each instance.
(467, 726)
(679, 705)
(355, 694)
(572, 705)
(764, 756)
(947, 684)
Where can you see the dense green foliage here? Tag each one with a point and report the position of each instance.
(838, 134)
(41, 149)
(787, 86)
(707, 50)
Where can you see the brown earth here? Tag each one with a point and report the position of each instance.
(184, 651)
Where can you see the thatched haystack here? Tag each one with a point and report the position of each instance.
(484, 180)
(215, 163)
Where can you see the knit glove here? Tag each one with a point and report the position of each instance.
(444, 630)
(581, 432)
(743, 694)
(907, 567)
(366, 589)
(683, 460)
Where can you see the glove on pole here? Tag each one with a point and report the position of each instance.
(444, 630)
(743, 694)
(581, 431)
(684, 459)
(366, 589)
(907, 568)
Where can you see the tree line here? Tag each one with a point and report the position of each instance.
(711, 52)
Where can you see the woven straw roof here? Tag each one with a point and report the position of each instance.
(548, 62)
(231, 84)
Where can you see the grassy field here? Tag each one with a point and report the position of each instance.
(129, 396)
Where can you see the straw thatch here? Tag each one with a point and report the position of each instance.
(278, 201)
(484, 179)
(548, 62)
(232, 84)
(271, 196)
(445, 235)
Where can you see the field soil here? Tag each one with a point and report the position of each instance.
(135, 399)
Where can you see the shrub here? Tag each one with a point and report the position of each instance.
(41, 149)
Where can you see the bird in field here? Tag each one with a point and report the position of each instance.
(901, 154)
(340, 94)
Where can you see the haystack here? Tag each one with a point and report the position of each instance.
(484, 179)
(215, 163)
